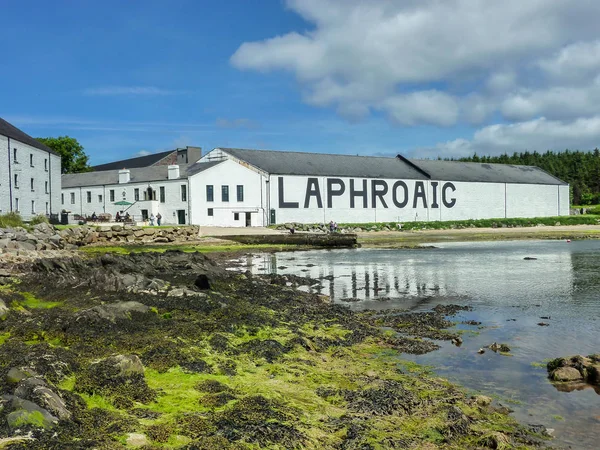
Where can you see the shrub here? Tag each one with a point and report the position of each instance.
(40, 218)
(10, 220)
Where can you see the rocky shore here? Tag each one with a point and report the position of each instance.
(171, 350)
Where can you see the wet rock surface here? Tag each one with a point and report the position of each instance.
(575, 371)
(101, 355)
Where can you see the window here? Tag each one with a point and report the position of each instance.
(32, 206)
(17, 180)
(88, 196)
(210, 195)
(31, 160)
(183, 193)
(47, 210)
(162, 194)
(136, 194)
(32, 185)
(46, 164)
(99, 198)
(72, 198)
(236, 216)
(15, 156)
(46, 186)
(225, 193)
(210, 212)
(17, 204)
(240, 193)
(112, 195)
(62, 199)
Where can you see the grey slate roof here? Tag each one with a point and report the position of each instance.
(198, 167)
(138, 175)
(486, 173)
(324, 164)
(13, 132)
(140, 161)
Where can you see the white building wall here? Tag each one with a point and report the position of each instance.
(427, 200)
(232, 174)
(532, 200)
(4, 176)
(169, 209)
(38, 197)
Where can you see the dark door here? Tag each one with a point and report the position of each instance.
(272, 217)
(181, 216)
(248, 219)
(144, 214)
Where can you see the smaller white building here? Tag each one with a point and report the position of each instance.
(141, 192)
(29, 174)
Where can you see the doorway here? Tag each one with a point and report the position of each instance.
(181, 216)
(248, 219)
(144, 215)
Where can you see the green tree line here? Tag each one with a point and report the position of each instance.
(578, 168)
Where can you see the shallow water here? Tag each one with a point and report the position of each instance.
(509, 295)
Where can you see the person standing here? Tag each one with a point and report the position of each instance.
(158, 219)
(152, 220)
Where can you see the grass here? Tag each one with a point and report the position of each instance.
(32, 302)
(10, 220)
(586, 219)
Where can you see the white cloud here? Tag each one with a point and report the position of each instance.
(390, 56)
(142, 153)
(535, 135)
(558, 102)
(574, 62)
(128, 90)
(430, 107)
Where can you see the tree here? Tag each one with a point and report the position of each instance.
(73, 158)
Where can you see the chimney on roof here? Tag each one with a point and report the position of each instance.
(124, 176)
(173, 172)
(193, 154)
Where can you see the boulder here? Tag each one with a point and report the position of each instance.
(137, 440)
(26, 414)
(4, 310)
(37, 391)
(16, 375)
(566, 374)
(118, 366)
(113, 311)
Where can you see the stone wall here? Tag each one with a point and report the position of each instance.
(46, 237)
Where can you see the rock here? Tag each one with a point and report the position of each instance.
(4, 310)
(27, 414)
(530, 258)
(543, 324)
(122, 366)
(482, 400)
(566, 374)
(6, 443)
(503, 348)
(113, 311)
(37, 391)
(481, 351)
(137, 440)
(16, 375)
(457, 341)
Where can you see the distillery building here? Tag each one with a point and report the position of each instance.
(241, 187)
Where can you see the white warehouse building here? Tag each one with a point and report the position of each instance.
(29, 174)
(239, 187)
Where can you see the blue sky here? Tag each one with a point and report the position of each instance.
(339, 76)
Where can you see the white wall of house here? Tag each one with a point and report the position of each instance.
(87, 200)
(36, 189)
(235, 211)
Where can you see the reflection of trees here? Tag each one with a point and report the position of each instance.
(585, 268)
